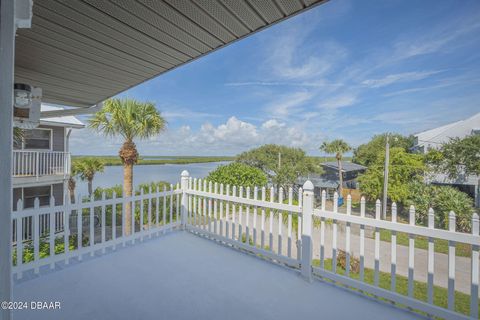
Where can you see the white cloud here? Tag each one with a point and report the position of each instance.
(398, 77)
(337, 102)
(287, 104)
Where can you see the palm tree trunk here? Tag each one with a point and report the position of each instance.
(90, 187)
(71, 189)
(127, 192)
(340, 177)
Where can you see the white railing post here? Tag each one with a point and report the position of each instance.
(307, 212)
(184, 185)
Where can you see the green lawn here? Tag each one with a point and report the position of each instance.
(440, 295)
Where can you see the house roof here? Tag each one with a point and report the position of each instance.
(347, 166)
(83, 52)
(457, 129)
(64, 121)
(318, 181)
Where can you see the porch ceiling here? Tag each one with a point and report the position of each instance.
(81, 52)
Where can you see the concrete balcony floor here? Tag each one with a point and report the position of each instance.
(183, 276)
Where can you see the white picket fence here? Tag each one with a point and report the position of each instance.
(152, 212)
(262, 222)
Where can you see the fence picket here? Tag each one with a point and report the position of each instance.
(411, 253)
(234, 209)
(177, 200)
(171, 207)
(164, 213)
(289, 224)
(20, 238)
(299, 227)
(347, 237)
(393, 250)
(215, 205)
(134, 204)
(79, 200)
(190, 201)
(270, 229)
(221, 219)
(377, 244)
(227, 213)
(36, 234)
(334, 234)
(322, 232)
(91, 237)
(103, 222)
(195, 187)
(51, 230)
(209, 217)
(255, 216)
(247, 219)
(474, 270)
(240, 216)
(114, 217)
(431, 257)
(262, 220)
(362, 241)
(66, 227)
(150, 209)
(280, 223)
(451, 262)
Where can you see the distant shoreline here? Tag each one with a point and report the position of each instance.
(157, 160)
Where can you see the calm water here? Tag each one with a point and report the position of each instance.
(148, 173)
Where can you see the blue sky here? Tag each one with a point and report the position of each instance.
(345, 69)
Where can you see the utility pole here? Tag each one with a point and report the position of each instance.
(385, 179)
(279, 161)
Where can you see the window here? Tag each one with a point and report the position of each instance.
(37, 139)
(43, 194)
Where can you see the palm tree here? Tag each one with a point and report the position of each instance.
(129, 119)
(87, 168)
(337, 147)
(18, 136)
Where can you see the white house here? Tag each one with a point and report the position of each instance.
(434, 138)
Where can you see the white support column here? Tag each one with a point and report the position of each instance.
(7, 49)
(307, 212)
(184, 185)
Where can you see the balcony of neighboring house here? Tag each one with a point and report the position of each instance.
(41, 155)
(40, 166)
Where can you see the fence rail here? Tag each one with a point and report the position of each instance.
(274, 224)
(40, 163)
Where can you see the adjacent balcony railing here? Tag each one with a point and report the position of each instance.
(40, 163)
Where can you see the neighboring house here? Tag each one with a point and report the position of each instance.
(41, 163)
(329, 180)
(434, 138)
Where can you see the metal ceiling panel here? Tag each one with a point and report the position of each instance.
(267, 9)
(81, 52)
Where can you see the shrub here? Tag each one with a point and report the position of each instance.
(342, 262)
(442, 199)
(238, 174)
